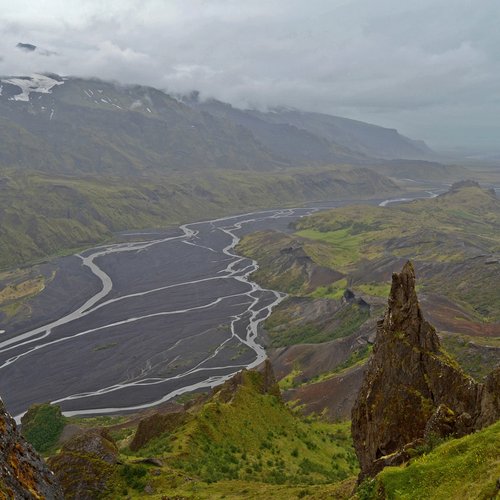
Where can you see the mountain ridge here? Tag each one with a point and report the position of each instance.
(69, 124)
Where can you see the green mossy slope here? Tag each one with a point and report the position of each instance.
(463, 468)
(41, 215)
(253, 436)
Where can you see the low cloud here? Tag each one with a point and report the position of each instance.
(26, 47)
(413, 67)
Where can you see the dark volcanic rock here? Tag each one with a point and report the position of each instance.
(23, 474)
(262, 379)
(154, 426)
(412, 388)
(86, 465)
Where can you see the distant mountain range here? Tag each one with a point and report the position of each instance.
(74, 125)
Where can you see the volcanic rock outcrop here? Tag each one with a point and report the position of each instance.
(156, 425)
(85, 466)
(412, 389)
(23, 474)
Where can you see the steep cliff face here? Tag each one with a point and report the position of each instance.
(23, 474)
(411, 388)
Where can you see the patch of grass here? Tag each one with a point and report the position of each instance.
(475, 359)
(357, 358)
(98, 421)
(103, 347)
(16, 291)
(45, 215)
(346, 321)
(179, 486)
(468, 467)
(334, 291)
(289, 381)
(134, 476)
(187, 397)
(344, 247)
(374, 289)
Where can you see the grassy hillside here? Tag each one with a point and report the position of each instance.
(240, 442)
(459, 468)
(254, 437)
(243, 442)
(454, 240)
(42, 215)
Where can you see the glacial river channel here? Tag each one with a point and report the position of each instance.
(130, 325)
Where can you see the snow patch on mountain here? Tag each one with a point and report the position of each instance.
(35, 83)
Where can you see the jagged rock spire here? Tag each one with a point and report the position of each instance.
(404, 315)
(411, 388)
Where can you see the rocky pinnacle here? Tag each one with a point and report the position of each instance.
(411, 388)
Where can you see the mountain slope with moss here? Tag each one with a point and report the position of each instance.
(243, 442)
(76, 125)
(41, 215)
(454, 241)
(468, 467)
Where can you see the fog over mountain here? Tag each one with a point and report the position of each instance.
(430, 70)
(71, 124)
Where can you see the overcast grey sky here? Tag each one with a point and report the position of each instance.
(429, 68)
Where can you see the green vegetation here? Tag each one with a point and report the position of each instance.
(475, 359)
(98, 421)
(448, 238)
(242, 442)
(134, 476)
(288, 381)
(344, 247)
(374, 289)
(103, 347)
(358, 357)
(278, 269)
(245, 443)
(188, 397)
(254, 437)
(344, 322)
(468, 467)
(15, 291)
(450, 229)
(42, 425)
(44, 215)
(334, 291)
(17, 286)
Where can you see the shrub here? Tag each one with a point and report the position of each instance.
(42, 425)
